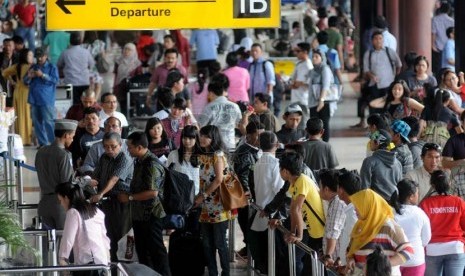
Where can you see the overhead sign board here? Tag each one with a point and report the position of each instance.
(161, 14)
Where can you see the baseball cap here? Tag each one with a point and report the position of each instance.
(402, 128)
(293, 108)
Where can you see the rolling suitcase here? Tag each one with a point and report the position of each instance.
(185, 253)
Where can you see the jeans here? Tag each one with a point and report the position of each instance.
(214, 238)
(451, 264)
(150, 248)
(44, 126)
(28, 34)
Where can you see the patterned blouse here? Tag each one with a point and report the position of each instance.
(212, 208)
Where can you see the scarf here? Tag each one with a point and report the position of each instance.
(372, 212)
(126, 65)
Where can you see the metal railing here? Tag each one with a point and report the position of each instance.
(56, 269)
(318, 268)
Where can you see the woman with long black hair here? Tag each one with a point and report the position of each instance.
(84, 232)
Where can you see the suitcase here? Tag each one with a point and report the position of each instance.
(186, 255)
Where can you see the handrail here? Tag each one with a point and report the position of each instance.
(317, 266)
(284, 230)
(55, 268)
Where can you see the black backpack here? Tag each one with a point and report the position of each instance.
(177, 192)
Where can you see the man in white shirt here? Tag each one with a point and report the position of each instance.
(109, 105)
(300, 78)
(268, 182)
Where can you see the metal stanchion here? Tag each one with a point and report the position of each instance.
(20, 187)
(291, 250)
(52, 249)
(38, 225)
(232, 240)
(11, 170)
(271, 252)
(250, 263)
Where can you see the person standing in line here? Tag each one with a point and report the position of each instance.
(84, 232)
(54, 166)
(146, 208)
(214, 219)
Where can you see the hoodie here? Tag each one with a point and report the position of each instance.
(381, 172)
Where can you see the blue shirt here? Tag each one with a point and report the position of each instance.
(42, 90)
(448, 53)
(205, 42)
(259, 79)
(76, 62)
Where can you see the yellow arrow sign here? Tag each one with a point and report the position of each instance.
(161, 14)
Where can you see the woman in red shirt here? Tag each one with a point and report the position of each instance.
(445, 253)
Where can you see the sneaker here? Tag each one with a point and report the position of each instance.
(129, 248)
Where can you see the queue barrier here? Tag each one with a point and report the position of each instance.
(318, 268)
(56, 269)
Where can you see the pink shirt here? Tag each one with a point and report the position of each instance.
(160, 74)
(239, 84)
(82, 243)
(199, 100)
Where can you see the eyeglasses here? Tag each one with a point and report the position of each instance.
(110, 102)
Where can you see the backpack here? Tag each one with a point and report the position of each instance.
(177, 192)
(102, 64)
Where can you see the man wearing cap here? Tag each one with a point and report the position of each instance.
(290, 131)
(54, 166)
(381, 171)
(399, 132)
(42, 79)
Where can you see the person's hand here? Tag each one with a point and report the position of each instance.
(199, 200)
(82, 123)
(93, 183)
(350, 266)
(123, 197)
(39, 73)
(263, 214)
(248, 194)
(327, 260)
(96, 198)
(320, 106)
(292, 238)
(31, 73)
(274, 223)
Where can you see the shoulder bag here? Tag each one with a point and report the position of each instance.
(231, 192)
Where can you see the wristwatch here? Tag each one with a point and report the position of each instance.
(131, 198)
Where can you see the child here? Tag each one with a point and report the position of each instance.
(159, 143)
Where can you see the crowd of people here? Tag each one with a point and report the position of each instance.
(402, 214)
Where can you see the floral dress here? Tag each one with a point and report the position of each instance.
(212, 208)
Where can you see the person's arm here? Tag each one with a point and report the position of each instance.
(218, 167)
(69, 235)
(297, 222)
(378, 102)
(341, 55)
(110, 184)
(270, 77)
(426, 229)
(9, 72)
(413, 104)
(449, 162)
(242, 168)
(150, 91)
(365, 175)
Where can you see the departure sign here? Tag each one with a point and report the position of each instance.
(161, 14)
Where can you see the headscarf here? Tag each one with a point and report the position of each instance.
(319, 68)
(372, 211)
(127, 64)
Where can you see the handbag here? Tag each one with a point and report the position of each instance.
(231, 192)
(332, 94)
